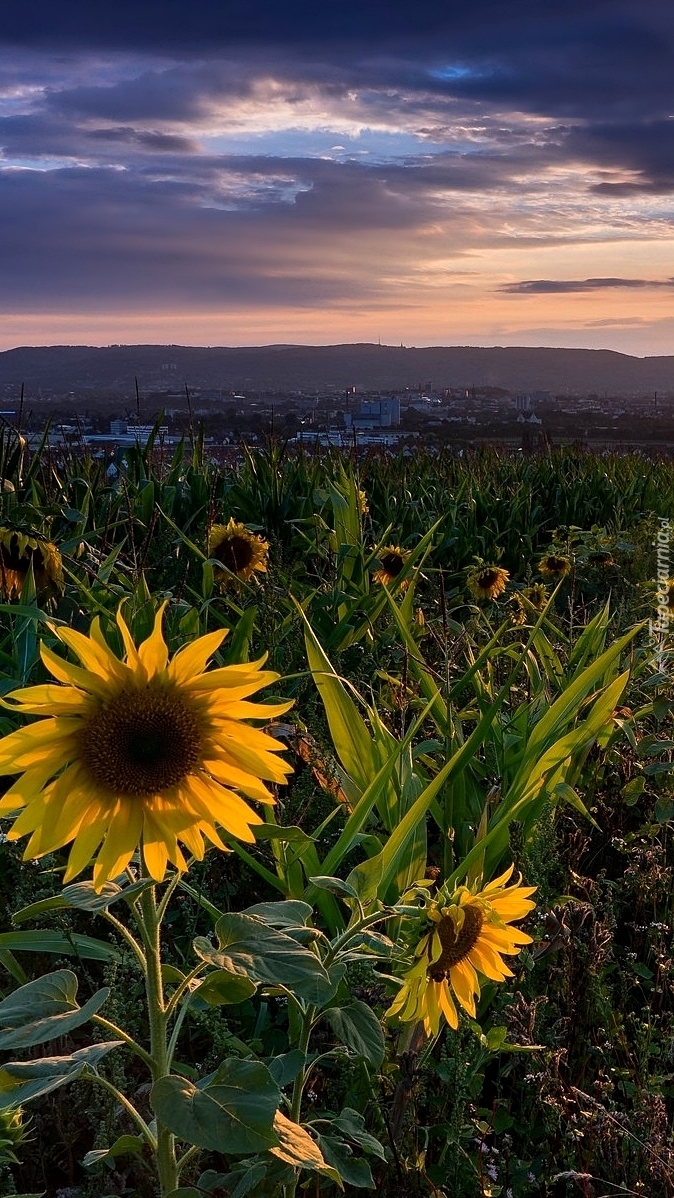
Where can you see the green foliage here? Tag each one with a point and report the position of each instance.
(431, 736)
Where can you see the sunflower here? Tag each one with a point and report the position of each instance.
(554, 566)
(139, 750)
(487, 582)
(470, 937)
(518, 611)
(392, 560)
(537, 595)
(240, 551)
(665, 596)
(362, 504)
(601, 559)
(18, 551)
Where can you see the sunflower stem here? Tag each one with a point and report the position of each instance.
(124, 1102)
(166, 897)
(300, 1081)
(176, 1029)
(303, 1044)
(187, 1157)
(126, 935)
(128, 1040)
(149, 926)
(178, 993)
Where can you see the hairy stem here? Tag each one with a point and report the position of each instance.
(149, 927)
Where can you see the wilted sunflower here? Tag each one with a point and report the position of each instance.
(537, 595)
(138, 751)
(392, 560)
(487, 582)
(518, 611)
(471, 936)
(239, 550)
(18, 551)
(361, 500)
(554, 566)
(602, 559)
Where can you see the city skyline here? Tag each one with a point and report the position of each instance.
(254, 173)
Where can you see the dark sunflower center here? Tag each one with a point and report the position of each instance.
(141, 742)
(557, 565)
(456, 944)
(236, 553)
(488, 579)
(12, 559)
(392, 563)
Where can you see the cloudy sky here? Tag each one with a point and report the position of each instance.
(237, 172)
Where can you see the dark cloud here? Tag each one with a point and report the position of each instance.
(164, 143)
(644, 147)
(101, 236)
(558, 286)
(303, 153)
(184, 23)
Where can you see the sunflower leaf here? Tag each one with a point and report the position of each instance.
(291, 913)
(297, 1148)
(357, 1026)
(325, 882)
(236, 1108)
(250, 948)
(49, 995)
(221, 988)
(354, 1170)
(47, 1025)
(124, 1146)
(21, 1081)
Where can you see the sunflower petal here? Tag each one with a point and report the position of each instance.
(191, 660)
(465, 985)
(123, 835)
(231, 775)
(132, 658)
(447, 1006)
(235, 675)
(153, 653)
(73, 675)
(94, 657)
(46, 699)
(214, 802)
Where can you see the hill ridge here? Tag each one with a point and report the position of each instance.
(288, 367)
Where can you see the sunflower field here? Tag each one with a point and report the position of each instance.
(336, 824)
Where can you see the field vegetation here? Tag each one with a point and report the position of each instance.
(436, 956)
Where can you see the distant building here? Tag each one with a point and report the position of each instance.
(375, 413)
(523, 403)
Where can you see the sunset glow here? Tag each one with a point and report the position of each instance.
(434, 179)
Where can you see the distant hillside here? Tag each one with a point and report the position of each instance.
(305, 367)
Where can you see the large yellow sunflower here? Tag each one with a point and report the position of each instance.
(239, 550)
(470, 937)
(487, 582)
(18, 551)
(138, 751)
(392, 560)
